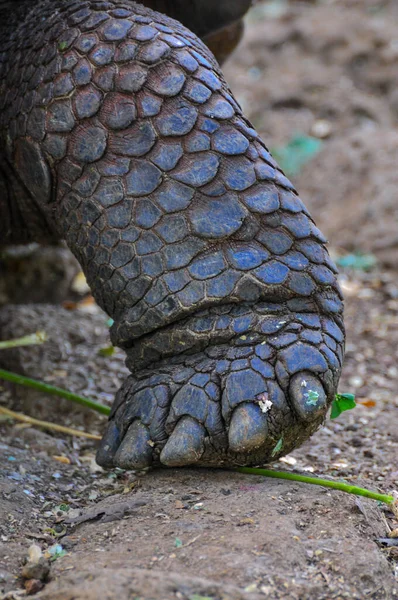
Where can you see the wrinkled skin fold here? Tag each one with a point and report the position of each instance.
(120, 135)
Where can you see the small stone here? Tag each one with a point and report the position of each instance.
(321, 129)
(39, 569)
(32, 586)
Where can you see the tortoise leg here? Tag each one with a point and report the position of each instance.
(203, 17)
(191, 238)
(222, 43)
(219, 24)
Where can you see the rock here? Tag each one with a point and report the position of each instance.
(37, 567)
(36, 570)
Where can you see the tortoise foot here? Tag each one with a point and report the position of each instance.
(243, 402)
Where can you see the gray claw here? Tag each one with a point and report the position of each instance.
(185, 446)
(135, 451)
(248, 428)
(109, 444)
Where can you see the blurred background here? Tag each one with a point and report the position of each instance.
(319, 81)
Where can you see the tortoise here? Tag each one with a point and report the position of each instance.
(120, 136)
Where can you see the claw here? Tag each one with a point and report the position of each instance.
(307, 396)
(248, 428)
(109, 445)
(185, 446)
(135, 451)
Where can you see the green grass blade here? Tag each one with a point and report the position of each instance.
(27, 340)
(336, 485)
(56, 391)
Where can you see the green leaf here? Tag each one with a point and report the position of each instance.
(341, 403)
(107, 351)
(62, 46)
(278, 447)
(178, 543)
(52, 389)
(357, 261)
(56, 551)
(296, 153)
(27, 340)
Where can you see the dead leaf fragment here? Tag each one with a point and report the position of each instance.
(246, 521)
(106, 514)
(62, 459)
(393, 533)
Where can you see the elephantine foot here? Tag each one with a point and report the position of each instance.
(122, 138)
(247, 400)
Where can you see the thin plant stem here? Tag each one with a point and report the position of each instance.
(52, 389)
(336, 485)
(46, 424)
(27, 340)
(105, 410)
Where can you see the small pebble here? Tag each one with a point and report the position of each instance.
(36, 570)
(321, 129)
(32, 586)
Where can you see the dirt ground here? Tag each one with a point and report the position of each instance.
(324, 69)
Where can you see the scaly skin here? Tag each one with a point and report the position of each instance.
(122, 137)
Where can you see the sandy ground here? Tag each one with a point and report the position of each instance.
(326, 70)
